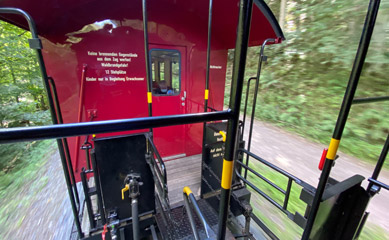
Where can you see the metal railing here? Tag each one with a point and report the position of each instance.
(191, 203)
(284, 206)
(158, 169)
(36, 44)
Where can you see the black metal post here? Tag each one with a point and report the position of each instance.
(206, 92)
(245, 105)
(344, 111)
(243, 31)
(287, 194)
(36, 44)
(262, 58)
(64, 140)
(87, 198)
(147, 58)
(380, 163)
(98, 189)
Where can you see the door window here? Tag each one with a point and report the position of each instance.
(166, 72)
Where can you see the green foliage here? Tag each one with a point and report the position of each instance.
(21, 92)
(22, 103)
(19, 184)
(303, 82)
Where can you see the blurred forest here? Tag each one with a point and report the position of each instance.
(22, 98)
(303, 82)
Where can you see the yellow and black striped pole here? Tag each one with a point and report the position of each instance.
(344, 111)
(242, 38)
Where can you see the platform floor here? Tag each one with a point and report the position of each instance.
(180, 173)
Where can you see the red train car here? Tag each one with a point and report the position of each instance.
(94, 51)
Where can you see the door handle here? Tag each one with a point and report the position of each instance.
(183, 99)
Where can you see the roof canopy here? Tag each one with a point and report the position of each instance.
(55, 19)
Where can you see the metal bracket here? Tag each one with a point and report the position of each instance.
(133, 182)
(35, 43)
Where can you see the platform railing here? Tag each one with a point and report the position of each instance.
(158, 169)
(286, 192)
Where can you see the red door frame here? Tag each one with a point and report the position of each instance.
(170, 141)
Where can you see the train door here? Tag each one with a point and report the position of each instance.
(168, 65)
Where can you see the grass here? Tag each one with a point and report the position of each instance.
(20, 181)
(277, 221)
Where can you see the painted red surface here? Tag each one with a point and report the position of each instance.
(76, 33)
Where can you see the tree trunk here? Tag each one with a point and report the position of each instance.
(14, 81)
(282, 13)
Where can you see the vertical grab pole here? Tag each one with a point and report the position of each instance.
(344, 110)
(380, 163)
(245, 105)
(64, 140)
(147, 59)
(242, 39)
(79, 117)
(206, 92)
(36, 44)
(261, 59)
(148, 68)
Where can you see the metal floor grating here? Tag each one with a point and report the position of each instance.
(182, 230)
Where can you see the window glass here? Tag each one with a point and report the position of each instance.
(166, 79)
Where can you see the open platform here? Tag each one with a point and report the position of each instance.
(180, 173)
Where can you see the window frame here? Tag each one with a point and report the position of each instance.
(179, 71)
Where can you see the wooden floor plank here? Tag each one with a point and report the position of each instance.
(183, 172)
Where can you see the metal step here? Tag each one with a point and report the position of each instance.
(182, 230)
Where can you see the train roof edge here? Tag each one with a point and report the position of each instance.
(39, 14)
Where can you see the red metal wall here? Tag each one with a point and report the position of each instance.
(122, 94)
(76, 32)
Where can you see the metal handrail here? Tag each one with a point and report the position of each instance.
(35, 43)
(262, 58)
(370, 100)
(161, 167)
(190, 200)
(286, 192)
(67, 158)
(267, 197)
(108, 126)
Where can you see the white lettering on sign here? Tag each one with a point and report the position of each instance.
(134, 79)
(114, 65)
(215, 67)
(118, 72)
